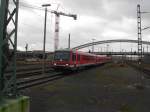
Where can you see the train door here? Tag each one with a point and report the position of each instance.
(78, 59)
(74, 59)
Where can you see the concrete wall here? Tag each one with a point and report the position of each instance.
(20, 104)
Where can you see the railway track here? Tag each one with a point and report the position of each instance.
(32, 78)
(26, 67)
(37, 80)
(42, 79)
(32, 75)
(144, 70)
(23, 72)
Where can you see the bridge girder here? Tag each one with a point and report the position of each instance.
(109, 41)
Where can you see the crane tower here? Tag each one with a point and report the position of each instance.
(57, 19)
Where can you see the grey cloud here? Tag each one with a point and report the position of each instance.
(119, 16)
(110, 9)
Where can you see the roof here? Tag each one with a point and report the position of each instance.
(79, 52)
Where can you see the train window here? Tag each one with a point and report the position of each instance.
(73, 57)
(60, 55)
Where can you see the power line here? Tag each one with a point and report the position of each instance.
(75, 42)
(23, 4)
(32, 7)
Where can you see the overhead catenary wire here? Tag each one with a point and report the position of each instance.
(31, 28)
(30, 6)
(23, 4)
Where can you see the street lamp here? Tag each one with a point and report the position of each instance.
(44, 40)
(93, 45)
(46, 5)
(69, 42)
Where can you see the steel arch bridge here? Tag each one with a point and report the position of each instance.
(109, 41)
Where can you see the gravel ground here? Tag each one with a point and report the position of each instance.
(109, 88)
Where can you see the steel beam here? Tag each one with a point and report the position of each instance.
(2, 19)
(109, 41)
(139, 29)
(7, 40)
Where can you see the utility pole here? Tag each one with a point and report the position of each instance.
(122, 55)
(8, 15)
(69, 41)
(107, 48)
(140, 53)
(139, 34)
(140, 49)
(143, 50)
(44, 40)
(139, 42)
(93, 46)
(131, 54)
(26, 47)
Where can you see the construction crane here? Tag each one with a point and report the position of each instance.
(57, 18)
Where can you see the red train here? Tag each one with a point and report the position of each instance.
(73, 59)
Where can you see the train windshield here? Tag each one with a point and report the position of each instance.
(62, 56)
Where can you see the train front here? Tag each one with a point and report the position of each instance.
(62, 60)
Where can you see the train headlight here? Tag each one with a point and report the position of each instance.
(55, 64)
(67, 64)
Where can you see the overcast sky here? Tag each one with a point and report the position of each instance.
(97, 19)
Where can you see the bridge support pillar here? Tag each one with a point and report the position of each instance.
(20, 104)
